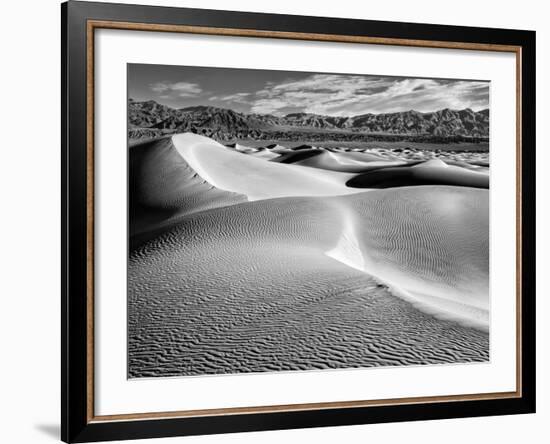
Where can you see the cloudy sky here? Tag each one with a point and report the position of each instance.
(283, 92)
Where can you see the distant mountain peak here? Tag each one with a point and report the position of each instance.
(227, 123)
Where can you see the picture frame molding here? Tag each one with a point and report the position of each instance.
(79, 22)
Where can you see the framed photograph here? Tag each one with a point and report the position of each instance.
(275, 221)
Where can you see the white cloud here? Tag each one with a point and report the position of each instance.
(342, 95)
(181, 89)
(242, 97)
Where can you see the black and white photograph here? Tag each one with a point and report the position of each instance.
(275, 222)
(286, 221)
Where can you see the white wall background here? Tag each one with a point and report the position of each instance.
(29, 221)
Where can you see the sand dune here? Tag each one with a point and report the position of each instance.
(162, 186)
(480, 167)
(448, 211)
(245, 149)
(246, 264)
(260, 152)
(279, 149)
(430, 245)
(264, 153)
(302, 147)
(431, 172)
(302, 293)
(295, 156)
(254, 177)
(348, 162)
(374, 170)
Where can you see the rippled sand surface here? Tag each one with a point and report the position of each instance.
(249, 288)
(252, 284)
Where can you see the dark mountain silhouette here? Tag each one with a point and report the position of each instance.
(149, 118)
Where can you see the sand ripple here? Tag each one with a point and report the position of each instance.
(241, 264)
(249, 288)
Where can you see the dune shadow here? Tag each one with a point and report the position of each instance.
(420, 174)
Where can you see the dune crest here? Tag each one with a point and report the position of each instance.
(348, 163)
(436, 258)
(163, 188)
(347, 250)
(254, 177)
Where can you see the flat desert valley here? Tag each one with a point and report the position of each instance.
(258, 256)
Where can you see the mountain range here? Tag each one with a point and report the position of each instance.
(150, 118)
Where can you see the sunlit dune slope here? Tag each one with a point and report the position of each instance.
(260, 152)
(278, 149)
(346, 162)
(429, 244)
(255, 177)
(264, 153)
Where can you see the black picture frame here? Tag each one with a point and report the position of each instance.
(77, 424)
